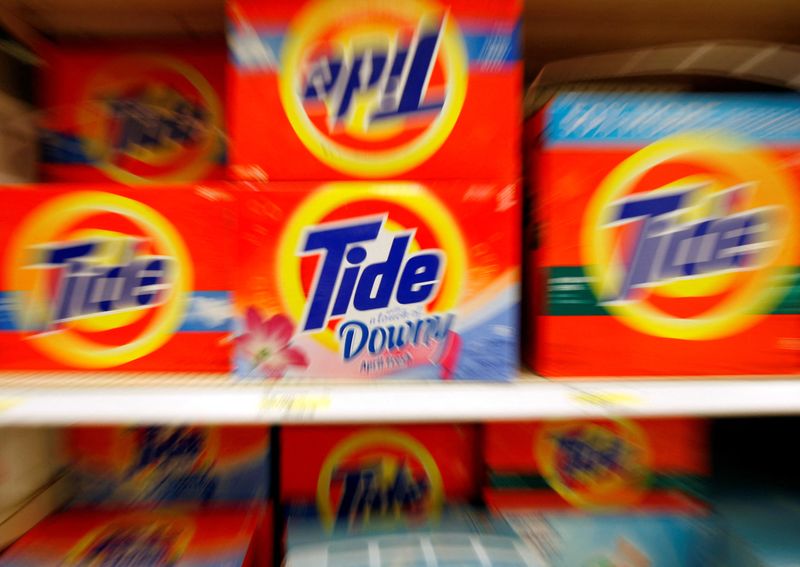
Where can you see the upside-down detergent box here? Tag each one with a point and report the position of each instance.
(119, 465)
(178, 538)
(324, 89)
(667, 235)
(359, 478)
(598, 463)
(378, 280)
(104, 277)
(143, 113)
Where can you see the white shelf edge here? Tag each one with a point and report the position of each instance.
(211, 401)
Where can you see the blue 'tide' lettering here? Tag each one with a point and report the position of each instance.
(399, 76)
(664, 249)
(346, 280)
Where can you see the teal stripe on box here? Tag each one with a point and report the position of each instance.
(569, 292)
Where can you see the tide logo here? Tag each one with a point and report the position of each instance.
(150, 119)
(594, 464)
(378, 477)
(371, 269)
(373, 90)
(176, 450)
(689, 237)
(100, 279)
(134, 540)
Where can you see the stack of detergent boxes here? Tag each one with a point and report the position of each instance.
(184, 495)
(373, 152)
(359, 219)
(337, 198)
(663, 241)
(121, 260)
(385, 241)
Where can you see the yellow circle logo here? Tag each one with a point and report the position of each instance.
(379, 477)
(373, 89)
(101, 279)
(595, 463)
(689, 237)
(158, 121)
(338, 217)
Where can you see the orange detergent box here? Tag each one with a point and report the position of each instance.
(117, 465)
(418, 89)
(393, 280)
(105, 277)
(668, 230)
(133, 113)
(598, 463)
(177, 538)
(351, 476)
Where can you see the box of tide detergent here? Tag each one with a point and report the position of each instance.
(213, 536)
(118, 465)
(104, 277)
(598, 463)
(378, 280)
(357, 478)
(668, 234)
(419, 89)
(144, 113)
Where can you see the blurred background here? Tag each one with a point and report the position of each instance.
(601, 207)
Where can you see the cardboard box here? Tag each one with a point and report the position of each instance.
(571, 538)
(321, 89)
(157, 537)
(133, 112)
(461, 537)
(123, 466)
(102, 277)
(356, 478)
(378, 280)
(596, 464)
(667, 235)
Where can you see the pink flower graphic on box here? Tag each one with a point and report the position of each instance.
(265, 345)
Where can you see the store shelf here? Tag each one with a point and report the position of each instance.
(63, 400)
(553, 29)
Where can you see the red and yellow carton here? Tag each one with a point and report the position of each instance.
(378, 280)
(104, 277)
(597, 464)
(212, 536)
(418, 89)
(668, 235)
(352, 476)
(133, 113)
(126, 466)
